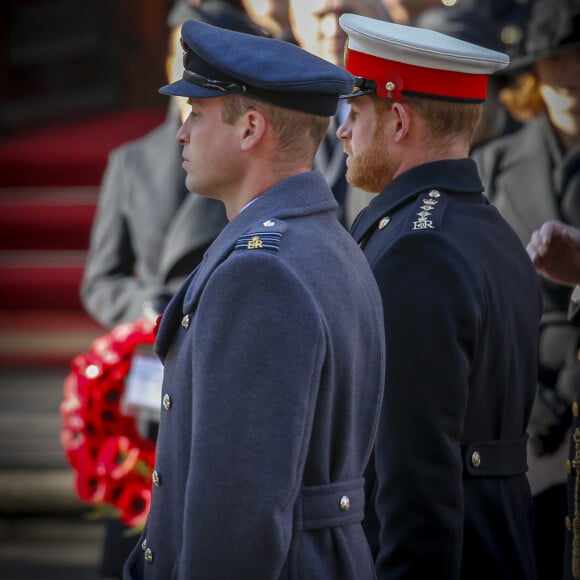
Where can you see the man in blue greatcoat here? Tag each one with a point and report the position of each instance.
(274, 347)
(461, 305)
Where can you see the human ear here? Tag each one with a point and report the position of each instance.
(253, 127)
(402, 120)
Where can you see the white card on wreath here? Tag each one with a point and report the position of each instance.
(143, 383)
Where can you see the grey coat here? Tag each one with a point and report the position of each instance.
(149, 233)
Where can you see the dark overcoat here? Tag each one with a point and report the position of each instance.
(274, 359)
(149, 232)
(462, 308)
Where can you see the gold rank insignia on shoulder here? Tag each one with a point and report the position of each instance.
(259, 241)
(427, 209)
(255, 243)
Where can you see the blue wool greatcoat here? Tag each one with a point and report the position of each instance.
(273, 380)
(462, 308)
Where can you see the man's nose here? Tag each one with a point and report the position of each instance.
(181, 135)
(342, 131)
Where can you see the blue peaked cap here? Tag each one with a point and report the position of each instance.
(218, 62)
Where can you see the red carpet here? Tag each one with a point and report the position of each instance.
(49, 185)
(47, 218)
(71, 154)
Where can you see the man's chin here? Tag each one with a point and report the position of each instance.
(361, 182)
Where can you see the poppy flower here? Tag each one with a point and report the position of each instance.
(112, 461)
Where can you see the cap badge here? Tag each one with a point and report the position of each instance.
(428, 205)
(391, 89)
(255, 243)
(260, 240)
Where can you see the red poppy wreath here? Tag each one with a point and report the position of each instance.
(112, 461)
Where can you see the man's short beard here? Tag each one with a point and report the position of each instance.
(373, 169)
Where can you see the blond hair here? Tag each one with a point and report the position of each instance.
(522, 98)
(298, 134)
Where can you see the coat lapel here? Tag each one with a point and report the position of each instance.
(197, 223)
(301, 194)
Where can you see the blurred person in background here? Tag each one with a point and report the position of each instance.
(273, 15)
(509, 17)
(476, 26)
(533, 176)
(149, 232)
(554, 249)
(407, 11)
(140, 249)
(315, 27)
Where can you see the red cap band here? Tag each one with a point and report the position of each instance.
(395, 78)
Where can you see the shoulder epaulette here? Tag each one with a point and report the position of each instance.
(267, 236)
(428, 211)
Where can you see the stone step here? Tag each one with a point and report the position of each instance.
(30, 419)
(50, 548)
(46, 338)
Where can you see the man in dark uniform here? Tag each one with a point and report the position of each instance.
(273, 348)
(461, 308)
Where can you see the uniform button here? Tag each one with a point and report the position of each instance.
(384, 222)
(344, 503)
(144, 544)
(148, 555)
(167, 402)
(434, 193)
(269, 223)
(185, 321)
(575, 409)
(475, 459)
(155, 478)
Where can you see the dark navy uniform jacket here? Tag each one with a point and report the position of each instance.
(274, 369)
(462, 308)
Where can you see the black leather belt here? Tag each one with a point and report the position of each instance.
(501, 458)
(333, 504)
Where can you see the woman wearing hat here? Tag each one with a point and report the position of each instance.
(533, 176)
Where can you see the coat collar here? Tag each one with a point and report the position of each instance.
(450, 175)
(296, 196)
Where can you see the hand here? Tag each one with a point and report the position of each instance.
(555, 252)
